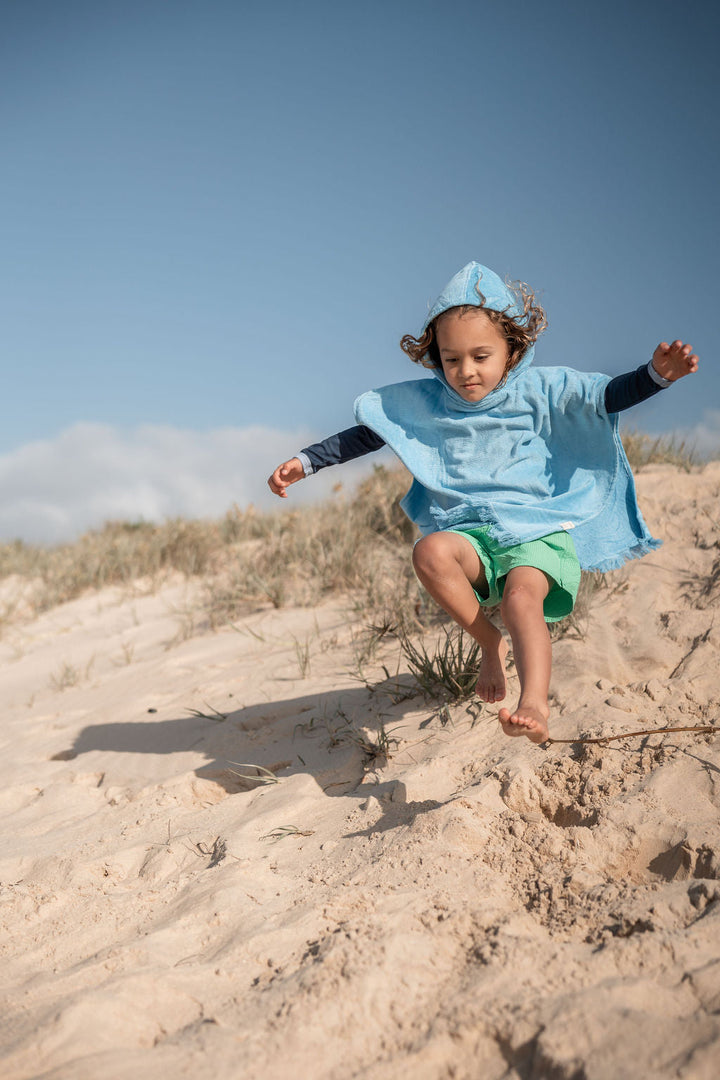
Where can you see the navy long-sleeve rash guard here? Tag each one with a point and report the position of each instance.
(621, 393)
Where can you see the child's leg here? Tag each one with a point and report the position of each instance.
(448, 566)
(522, 612)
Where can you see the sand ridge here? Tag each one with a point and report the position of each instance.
(470, 906)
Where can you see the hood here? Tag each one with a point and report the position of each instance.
(465, 287)
(478, 285)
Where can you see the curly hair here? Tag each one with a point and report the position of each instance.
(520, 332)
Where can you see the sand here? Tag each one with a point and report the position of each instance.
(472, 906)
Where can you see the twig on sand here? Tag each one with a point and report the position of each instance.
(630, 734)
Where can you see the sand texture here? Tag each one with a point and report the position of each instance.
(471, 906)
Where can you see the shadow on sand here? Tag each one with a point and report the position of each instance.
(314, 734)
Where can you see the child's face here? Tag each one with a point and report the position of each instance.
(473, 353)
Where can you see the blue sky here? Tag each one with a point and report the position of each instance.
(218, 219)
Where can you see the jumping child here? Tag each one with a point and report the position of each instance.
(519, 475)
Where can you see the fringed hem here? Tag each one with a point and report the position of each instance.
(458, 520)
(642, 547)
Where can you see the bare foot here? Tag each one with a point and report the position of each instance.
(491, 684)
(529, 720)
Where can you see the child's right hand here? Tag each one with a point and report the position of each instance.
(288, 473)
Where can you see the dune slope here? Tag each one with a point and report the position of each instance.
(466, 905)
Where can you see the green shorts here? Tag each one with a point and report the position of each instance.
(554, 555)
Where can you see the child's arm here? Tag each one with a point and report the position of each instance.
(669, 363)
(344, 446)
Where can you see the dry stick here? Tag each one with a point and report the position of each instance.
(630, 734)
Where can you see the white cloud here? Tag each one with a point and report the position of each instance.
(705, 435)
(53, 490)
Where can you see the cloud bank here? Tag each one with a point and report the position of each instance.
(705, 435)
(55, 489)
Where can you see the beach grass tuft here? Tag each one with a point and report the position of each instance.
(262, 776)
(643, 450)
(447, 669)
(283, 831)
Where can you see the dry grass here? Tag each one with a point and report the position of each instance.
(645, 450)
(119, 553)
(245, 560)
(448, 671)
(358, 545)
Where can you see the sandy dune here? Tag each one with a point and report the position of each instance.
(473, 906)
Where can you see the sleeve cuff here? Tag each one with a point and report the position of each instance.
(657, 378)
(306, 463)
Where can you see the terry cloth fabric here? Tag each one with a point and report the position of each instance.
(538, 454)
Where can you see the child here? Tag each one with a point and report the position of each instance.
(520, 478)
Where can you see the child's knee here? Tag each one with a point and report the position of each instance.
(521, 597)
(430, 554)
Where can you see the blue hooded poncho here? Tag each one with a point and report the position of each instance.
(538, 454)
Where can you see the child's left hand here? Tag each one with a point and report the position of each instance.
(674, 361)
